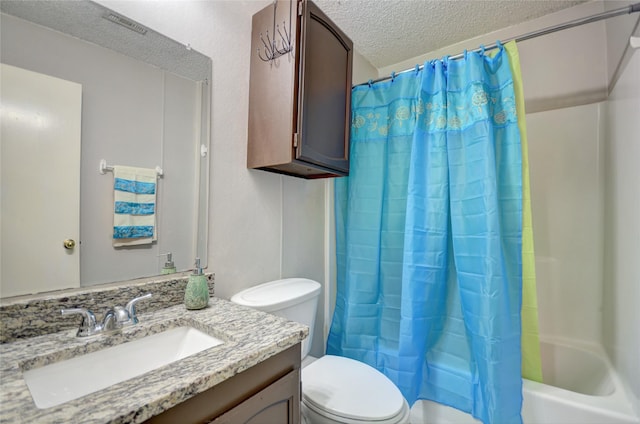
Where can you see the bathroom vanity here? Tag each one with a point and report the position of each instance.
(268, 392)
(253, 376)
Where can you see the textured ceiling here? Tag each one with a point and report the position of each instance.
(390, 31)
(87, 20)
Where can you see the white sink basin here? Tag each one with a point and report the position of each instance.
(73, 378)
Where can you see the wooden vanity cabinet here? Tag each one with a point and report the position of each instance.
(300, 102)
(268, 392)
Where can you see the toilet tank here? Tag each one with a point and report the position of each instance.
(295, 299)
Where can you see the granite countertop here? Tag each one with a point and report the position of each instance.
(249, 337)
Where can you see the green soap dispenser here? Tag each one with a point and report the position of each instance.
(169, 266)
(196, 295)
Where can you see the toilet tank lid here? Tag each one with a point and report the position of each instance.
(278, 294)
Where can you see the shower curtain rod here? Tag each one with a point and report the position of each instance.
(633, 8)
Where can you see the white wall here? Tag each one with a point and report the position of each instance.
(622, 223)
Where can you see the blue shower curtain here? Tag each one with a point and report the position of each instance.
(428, 228)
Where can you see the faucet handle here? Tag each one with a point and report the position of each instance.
(88, 323)
(122, 315)
(131, 307)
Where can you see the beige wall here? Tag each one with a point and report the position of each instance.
(618, 31)
(563, 69)
(362, 70)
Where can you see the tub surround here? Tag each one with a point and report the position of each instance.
(36, 315)
(580, 387)
(250, 337)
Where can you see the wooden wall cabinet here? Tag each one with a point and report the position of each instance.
(300, 102)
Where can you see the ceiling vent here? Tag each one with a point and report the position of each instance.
(127, 23)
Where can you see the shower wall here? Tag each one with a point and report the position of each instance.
(565, 159)
(621, 289)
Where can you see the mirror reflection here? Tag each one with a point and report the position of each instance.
(82, 84)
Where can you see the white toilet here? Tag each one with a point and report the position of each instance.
(334, 389)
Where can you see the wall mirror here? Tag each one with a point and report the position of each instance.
(134, 97)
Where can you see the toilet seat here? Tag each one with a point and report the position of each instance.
(349, 391)
(313, 416)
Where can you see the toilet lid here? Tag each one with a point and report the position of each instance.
(350, 389)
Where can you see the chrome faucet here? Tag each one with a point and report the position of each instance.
(89, 326)
(113, 319)
(127, 315)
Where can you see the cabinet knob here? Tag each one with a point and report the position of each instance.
(69, 244)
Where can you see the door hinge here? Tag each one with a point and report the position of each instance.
(295, 140)
(300, 8)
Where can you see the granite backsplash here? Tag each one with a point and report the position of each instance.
(36, 315)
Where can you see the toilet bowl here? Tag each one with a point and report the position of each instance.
(335, 390)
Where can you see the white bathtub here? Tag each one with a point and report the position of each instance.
(580, 388)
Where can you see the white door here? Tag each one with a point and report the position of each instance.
(40, 119)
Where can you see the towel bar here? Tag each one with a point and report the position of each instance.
(104, 168)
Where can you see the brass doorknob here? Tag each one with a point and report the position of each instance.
(69, 244)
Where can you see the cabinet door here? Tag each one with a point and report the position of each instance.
(272, 97)
(277, 403)
(324, 101)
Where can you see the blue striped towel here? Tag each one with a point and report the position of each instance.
(134, 211)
